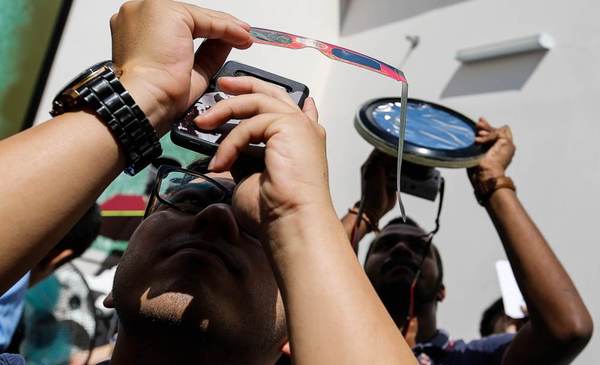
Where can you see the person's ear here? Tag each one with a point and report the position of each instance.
(109, 301)
(285, 349)
(62, 258)
(441, 294)
(47, 266)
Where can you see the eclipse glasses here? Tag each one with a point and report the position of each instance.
(292, 41)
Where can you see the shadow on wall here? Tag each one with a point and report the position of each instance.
(501, 74)
(360, 15)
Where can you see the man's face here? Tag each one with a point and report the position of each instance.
(201, 275)
(394, 259)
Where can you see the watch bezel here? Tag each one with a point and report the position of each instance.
(69, 97)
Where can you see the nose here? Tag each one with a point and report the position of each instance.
(401, 250)
(217, 221)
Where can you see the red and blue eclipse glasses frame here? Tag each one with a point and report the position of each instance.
(292, 41)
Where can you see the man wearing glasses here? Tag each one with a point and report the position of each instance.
(560, 325)
(208, 272)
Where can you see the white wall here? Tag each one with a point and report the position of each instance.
(548, 100)
(86, 39)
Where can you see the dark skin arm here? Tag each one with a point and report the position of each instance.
(378, 189)
(560, 325)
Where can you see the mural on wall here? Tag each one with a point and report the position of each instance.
(30, 33)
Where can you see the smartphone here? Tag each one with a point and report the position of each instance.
(186, 134)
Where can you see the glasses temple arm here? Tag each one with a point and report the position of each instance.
(401, 148)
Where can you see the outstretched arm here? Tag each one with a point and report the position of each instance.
(52, 173)
(560, 325)
(333, 313)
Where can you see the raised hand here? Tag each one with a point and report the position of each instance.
(500, 154)
(152, 44)
(378, 185)
(295, 179)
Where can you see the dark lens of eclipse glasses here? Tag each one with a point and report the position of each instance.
(269, 36)
(356, 58)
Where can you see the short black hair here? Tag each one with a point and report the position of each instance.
(490, 316)
(83, 233)
(411, 222)
(399, 220)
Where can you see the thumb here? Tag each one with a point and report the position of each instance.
(209, 57)
(310, 109)
(411, 333)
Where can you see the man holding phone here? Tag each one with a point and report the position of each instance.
(187, 134)
(207, 275)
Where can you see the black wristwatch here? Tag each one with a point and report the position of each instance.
(99, 89)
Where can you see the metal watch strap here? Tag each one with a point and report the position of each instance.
(484, 189)
(126, 120)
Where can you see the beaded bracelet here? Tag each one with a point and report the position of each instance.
(365, 219)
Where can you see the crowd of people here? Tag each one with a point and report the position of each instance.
(237, 265)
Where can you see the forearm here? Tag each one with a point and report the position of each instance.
(554, 305)
(349, 222)
(334, 315)
(52, 175)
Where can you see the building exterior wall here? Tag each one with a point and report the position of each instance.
(550, 102)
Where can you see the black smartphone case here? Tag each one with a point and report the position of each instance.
(185, 133)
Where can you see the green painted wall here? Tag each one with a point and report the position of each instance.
(26, 31)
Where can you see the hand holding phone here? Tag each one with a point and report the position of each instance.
(186, 134)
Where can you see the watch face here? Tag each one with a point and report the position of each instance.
(67, 97)
(435, 135)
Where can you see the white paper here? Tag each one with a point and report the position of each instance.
(511, 295)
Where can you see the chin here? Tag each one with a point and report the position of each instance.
(161, 305)
(168, 307)
(173, 313)
(399, 280)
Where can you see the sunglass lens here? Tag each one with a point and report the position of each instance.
(270, 36)
(356, 58)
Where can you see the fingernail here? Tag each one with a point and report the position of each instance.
(241, 23)
(202, 115)
(199, 121)
(224, 79)
(211, 164)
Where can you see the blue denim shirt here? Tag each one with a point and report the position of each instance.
(11, 359)
(11, 309)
